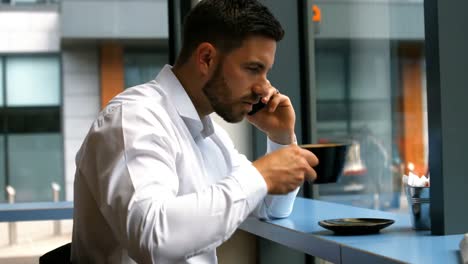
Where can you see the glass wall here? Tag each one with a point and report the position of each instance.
(369, 83)
(31, 148)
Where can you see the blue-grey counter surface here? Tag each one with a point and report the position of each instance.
(398, 243)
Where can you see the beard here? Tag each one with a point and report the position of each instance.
(219, 95)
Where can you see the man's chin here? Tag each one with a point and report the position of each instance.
(232, 118)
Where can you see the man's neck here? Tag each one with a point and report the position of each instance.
(193, 83)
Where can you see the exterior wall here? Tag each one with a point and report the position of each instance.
(111, 70)
(80, 102)
(114, 19)
(29, 30)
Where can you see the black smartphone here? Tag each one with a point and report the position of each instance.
(256, 107)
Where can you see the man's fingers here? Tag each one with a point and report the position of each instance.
(274, 102)
(310, 157)
(312, 160)
(310, 174)
(311, 177)
(272, 93)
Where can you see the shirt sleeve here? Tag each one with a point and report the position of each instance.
(137, 190)
(276, 206)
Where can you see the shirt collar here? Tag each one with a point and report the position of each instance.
(173, 88)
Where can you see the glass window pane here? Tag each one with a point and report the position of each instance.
(331, 74)
(33, 81)
(2, 168)
(35, 161)
(141, 67)
(369, 81)
(33, 119)
(1, 82)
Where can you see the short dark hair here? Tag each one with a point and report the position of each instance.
(226, 24)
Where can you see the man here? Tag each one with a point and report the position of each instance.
(157, 181)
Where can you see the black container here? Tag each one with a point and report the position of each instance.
(332, 157)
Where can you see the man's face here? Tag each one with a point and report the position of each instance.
(240, 78)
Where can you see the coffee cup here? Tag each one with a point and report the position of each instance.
(331, 157)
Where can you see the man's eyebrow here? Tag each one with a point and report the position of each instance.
(256, 64)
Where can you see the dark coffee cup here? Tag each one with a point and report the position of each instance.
(331, 158)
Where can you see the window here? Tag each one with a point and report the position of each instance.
(31, 150)
(141, 66)
(2, 165)
(369, 82)
(35, 161)
(2, 137)
(1, 88)
(32, 81)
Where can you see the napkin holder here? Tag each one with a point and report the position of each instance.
(419, 205)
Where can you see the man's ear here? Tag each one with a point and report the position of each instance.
(206, 54)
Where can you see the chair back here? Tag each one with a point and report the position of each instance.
(58, 255)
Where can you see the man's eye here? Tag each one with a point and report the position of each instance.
(253, 69)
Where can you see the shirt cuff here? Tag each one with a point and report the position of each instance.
(252, 184)
(280, 206)
(272, 146)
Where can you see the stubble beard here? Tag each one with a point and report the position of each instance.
(218, 93)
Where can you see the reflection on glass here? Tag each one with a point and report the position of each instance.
(369, 81)
(33, 81)
(34, 162)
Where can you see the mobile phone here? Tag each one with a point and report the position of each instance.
(256, 107)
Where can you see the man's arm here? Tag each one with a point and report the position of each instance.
(276, 206)
(277, 121)
(137, 187)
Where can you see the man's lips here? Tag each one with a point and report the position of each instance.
(253, 101)
(249, 106)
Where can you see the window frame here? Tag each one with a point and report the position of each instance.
(4, 112)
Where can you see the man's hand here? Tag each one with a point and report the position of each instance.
(285, 169)
(277, 119)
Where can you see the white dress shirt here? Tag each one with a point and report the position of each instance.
(157, 184)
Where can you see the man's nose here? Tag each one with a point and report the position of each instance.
(262, 87)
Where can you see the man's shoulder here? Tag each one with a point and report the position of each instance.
(141, 94)
(147, 97)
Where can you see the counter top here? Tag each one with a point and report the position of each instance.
(394, 244)
(36, 211)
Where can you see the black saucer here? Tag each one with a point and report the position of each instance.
(355, 226)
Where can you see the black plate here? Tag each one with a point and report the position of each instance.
(355, 226)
